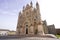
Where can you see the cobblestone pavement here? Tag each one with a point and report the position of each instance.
(31, 38)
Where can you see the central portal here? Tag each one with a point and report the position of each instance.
(26, 29)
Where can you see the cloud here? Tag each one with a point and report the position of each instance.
(13, 12)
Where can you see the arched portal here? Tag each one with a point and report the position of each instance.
(26, 29)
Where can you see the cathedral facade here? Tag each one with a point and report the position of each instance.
(29, 21)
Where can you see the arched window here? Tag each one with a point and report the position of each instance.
(20, 26)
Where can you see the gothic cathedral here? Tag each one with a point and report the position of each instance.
(29, 21)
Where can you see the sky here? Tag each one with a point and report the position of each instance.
(9, 11)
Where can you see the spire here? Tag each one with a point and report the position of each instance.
(23, 8)
(27, 5)
(31, 3)
(20, 13)
(37, 5)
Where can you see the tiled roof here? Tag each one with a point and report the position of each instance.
(4, 30)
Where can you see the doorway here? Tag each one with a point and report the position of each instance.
(26, 29)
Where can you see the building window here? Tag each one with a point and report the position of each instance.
(35, 17)
(18, 32)
(31, 24)
(26, 22)
(34, 22)
(20, 26)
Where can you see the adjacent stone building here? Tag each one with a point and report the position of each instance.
(51, 29)
(12, 33)
(45, 27)
(4, 32)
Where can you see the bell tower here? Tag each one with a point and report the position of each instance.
(40, 26)
(38, 12)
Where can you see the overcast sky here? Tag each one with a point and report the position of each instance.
(50, 10)
(9, 10)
